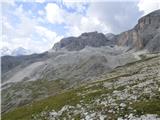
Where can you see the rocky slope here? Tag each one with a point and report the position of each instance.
(72, 67)
(128, 92)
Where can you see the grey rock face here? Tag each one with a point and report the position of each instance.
(145, 35)
(93, 39)
(110, 36)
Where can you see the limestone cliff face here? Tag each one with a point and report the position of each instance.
(130, 38)
(145, 35)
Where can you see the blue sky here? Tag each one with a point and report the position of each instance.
(37, 24)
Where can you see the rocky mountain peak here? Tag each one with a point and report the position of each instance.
(93, 39)
(110, 36)
(150, 19)
(88, 33)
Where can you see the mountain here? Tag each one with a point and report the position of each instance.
(5, 51)
(10, 62)
(16, 52)
(110, 36)
(63, 68)
(93, 39)
(145, 35)
(91, 76)
(20, 51)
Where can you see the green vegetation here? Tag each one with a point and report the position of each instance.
(55, 102)
(147, 107)
(69, 97)
(33, 90)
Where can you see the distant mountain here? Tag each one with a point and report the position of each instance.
(16, 52)
(5, 51)
(20, 51)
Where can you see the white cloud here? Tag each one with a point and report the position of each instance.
(75, 22)
(9, 2)
(47, 35)
(87, 24)
(118, 16)
(6, 25)
(77, 6)
(108, 16)
(104, 17)
(41, 12)
(148, 6)
(44, 32)
(40, 1)
(54, 13)
(26, 33)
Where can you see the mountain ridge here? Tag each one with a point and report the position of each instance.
(93, 39)
(139, 37)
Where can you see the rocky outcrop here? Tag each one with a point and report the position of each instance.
(145, 35)
(110, 36)
(93, 39)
